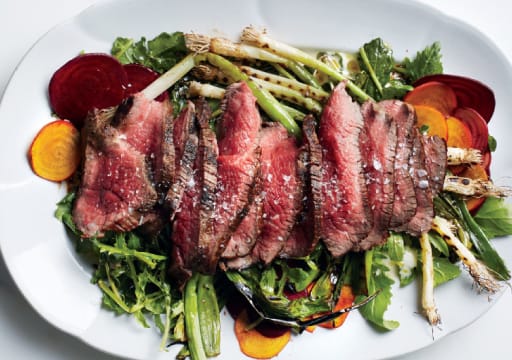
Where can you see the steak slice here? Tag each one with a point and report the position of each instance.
(435, 161)
(186, 145)
(208, 152)
(300, 241)
(404, 205)
(378, 142)
(237, 162)
(147, 126)
(118, 189)
(193, 226)
(282, 191)
(422, 219)
(346, 217)
(244, 237)
(306, 232)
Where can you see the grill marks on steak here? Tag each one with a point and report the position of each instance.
(404, 205)
(193, 226)
(186, 143)
(125, 163)
(378, 142)
(346, 217)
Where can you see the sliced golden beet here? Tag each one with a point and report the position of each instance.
(345, 300)
(459, 134)
(434, 94)
(255, 344)
(433, 119)
(55, 151)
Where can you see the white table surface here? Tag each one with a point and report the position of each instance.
(25, 335)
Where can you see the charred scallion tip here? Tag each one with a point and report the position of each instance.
(304, 89)
(291, 91)
(478, 271)
(253, 36)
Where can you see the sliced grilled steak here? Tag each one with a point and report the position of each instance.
(282, 191)
(346, 217)
(121, 165)
(404, 205)
(305, 234)
(300, 240)
(378, 142)
(147, 126)
(244, 237)
(186, 145)
(435, 161)
(193, 226)
(237, 162)
(422, 219)
(206, 247)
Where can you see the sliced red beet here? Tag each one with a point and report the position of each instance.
(477, 125)
(85, 82)
(140, 76)
(470, 92)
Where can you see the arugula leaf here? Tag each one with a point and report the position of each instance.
(444, 270)
(376, 77)
(378, 280)
(438, 243)
(495, 217)
(426, 62)
(159, 54)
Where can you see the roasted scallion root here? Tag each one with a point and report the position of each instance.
(201, 44)
(458, 156)
(427, 294)
(253, 36)
(475, 188)
(478, 271)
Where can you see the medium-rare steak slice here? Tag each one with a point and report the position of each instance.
(282, 191)
(244, 237)
(208, 152)
(346, 217)
(300, 240)
(237, 162)
(186, 145)
(118, 189)
(378, 142)
(422, 219)
(305, 234)
(147, 126)
(404, 205)
(193, 226)
(435, 161)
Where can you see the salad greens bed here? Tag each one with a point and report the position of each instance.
(131, 268)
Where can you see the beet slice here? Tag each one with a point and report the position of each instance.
(477, 125)
(140, 76)
(470, 92)
(87, 81)
(434, 94)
